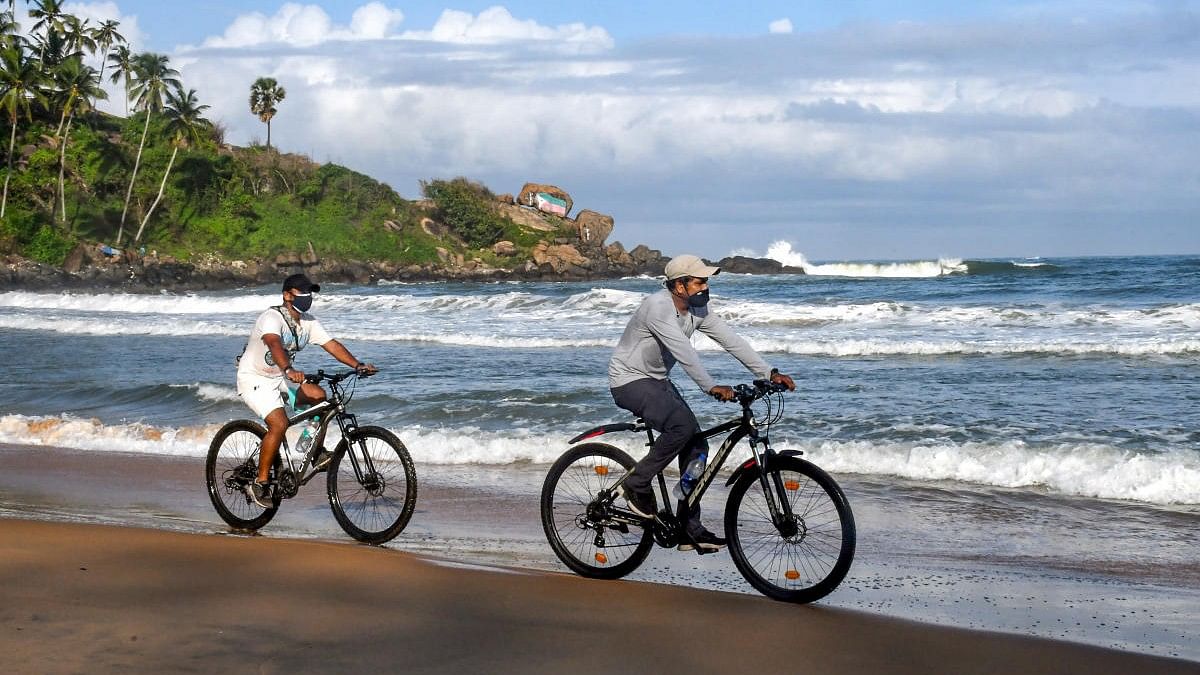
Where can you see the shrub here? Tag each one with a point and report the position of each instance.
(468, 209)
(48, 246)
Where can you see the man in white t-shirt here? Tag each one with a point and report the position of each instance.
(266, 377)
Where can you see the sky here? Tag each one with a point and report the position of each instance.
(854, 130)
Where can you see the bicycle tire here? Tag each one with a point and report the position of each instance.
(574, 482)
(811, 563)
(233, 462)
(379, 507)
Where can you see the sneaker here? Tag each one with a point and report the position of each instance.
(259, 494)
(641, 503)
(705, 541)
(321, 460)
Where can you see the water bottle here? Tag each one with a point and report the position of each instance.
(307, 434)
(691, 475)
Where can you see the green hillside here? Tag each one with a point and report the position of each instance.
(75, 175)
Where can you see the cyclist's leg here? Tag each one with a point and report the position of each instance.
(664, 410)
(265, 396)
(309, 394)
(277, 424)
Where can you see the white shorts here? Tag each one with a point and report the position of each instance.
(265, 394)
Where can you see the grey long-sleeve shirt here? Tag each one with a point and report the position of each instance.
(658, 337)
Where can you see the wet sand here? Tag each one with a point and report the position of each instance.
(477, 520)
(99, 599)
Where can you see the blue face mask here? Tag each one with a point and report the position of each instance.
(302, 303)
(698, 300)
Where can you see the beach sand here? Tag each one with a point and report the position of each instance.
(472, 586)
(98, 599)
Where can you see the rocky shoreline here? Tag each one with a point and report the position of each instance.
(88, 269)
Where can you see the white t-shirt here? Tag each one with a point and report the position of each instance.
(257, 358)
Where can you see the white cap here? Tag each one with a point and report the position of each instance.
(689, 266)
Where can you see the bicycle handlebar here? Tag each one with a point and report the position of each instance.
(746, 394)
(322, 376)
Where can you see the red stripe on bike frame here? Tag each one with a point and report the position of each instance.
(749, 463)
(592, 435)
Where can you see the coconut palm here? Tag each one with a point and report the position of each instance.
(105, 36)
(49, 15)
(80, 85)
(10, 30)
(78, 34)
(265, 94)
(122, 62)
(153, 78)
(20, 85)
(185, 127)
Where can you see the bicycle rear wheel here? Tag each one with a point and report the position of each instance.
(372, 485)
(804, 558)
(232, 463)
(574, 516)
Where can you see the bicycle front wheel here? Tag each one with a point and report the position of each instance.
(372, 485)
(232, 463)
(801, 557)
(574, 514)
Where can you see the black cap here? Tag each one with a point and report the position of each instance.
(300, 283)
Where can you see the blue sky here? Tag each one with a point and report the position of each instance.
(852, 130)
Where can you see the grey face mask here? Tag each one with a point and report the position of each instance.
(302, 303)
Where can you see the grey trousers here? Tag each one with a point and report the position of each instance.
(659, 403)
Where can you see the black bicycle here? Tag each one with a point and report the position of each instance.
(371, 480)
(790, 529)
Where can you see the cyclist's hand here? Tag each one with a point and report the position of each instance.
(366, 369)
(294, 375)
(721, 393)
(780, 378)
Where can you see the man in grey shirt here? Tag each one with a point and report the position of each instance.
(656, 338)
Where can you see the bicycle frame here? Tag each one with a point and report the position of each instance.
(738, 428)
(333, 408)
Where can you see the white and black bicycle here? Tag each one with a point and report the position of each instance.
(370, 478)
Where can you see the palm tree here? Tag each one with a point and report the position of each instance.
(185, 126)
(20, 84)
(265, 93)
(49, 15)
(10, 30)
(81, 86)
(153, 78)
(105, 36)
(122, 60)
(79, 36)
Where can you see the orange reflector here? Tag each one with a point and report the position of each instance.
(792, 575)
(791, 485)
(601, 470)
(601, 558)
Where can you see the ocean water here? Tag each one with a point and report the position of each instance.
(1041, 412)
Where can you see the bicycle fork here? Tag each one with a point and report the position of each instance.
(774, 491)
(361, 461)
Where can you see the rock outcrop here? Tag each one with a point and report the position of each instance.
(738, 264)
(526, 195)
(592, 227)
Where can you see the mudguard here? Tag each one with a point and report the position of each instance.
(752, 465)
(603, 429)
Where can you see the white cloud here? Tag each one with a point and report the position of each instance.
(497, 25)
(308, 25)
(920, 119)
(783, 26)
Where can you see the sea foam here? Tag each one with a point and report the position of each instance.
(1081, 469)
